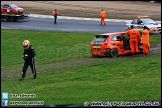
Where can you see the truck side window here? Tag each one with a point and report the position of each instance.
(1, 6)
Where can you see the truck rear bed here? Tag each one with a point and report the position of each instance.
(13, 17)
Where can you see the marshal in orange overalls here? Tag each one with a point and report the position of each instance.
(134, 39)
(145, 40)
(102, 16)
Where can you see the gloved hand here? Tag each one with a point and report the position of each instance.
(24, 57)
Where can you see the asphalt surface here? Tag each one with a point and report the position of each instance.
(65, 25)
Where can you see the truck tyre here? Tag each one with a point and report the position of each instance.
(6, 18)
(114, 53)
(14, 19)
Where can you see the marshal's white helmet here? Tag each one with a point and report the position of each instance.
(26, 43)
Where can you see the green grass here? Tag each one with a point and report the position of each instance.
(49, 46)
(104, 79)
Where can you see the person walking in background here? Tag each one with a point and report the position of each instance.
(55, 14)
(102, 17)
(134, 36)
(28, 56)
(145, 39)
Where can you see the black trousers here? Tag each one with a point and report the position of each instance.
(29, 62)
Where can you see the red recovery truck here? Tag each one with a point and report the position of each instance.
(12, 12)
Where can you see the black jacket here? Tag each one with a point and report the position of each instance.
(30, 52)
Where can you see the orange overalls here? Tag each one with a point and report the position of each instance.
(134, 39)
(102, 16)
(145, 40)
(128, 29)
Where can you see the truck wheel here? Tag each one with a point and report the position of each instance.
(6, 18)
(14, 19)
(114, 53)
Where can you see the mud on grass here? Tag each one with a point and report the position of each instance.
(114, 9)
(76, 57)
(15, 72)
(112, 14)
(105, 80)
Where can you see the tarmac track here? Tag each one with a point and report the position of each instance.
(65, 23)
(34, 23)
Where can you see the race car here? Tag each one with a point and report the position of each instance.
(142, 21)
(12, 12)
(11, 9)
(112, 45)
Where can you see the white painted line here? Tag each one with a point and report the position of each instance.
(9, 28)
(79, 18)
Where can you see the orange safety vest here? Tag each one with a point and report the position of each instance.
(102, 14)
(145, 36)
(55, 13)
